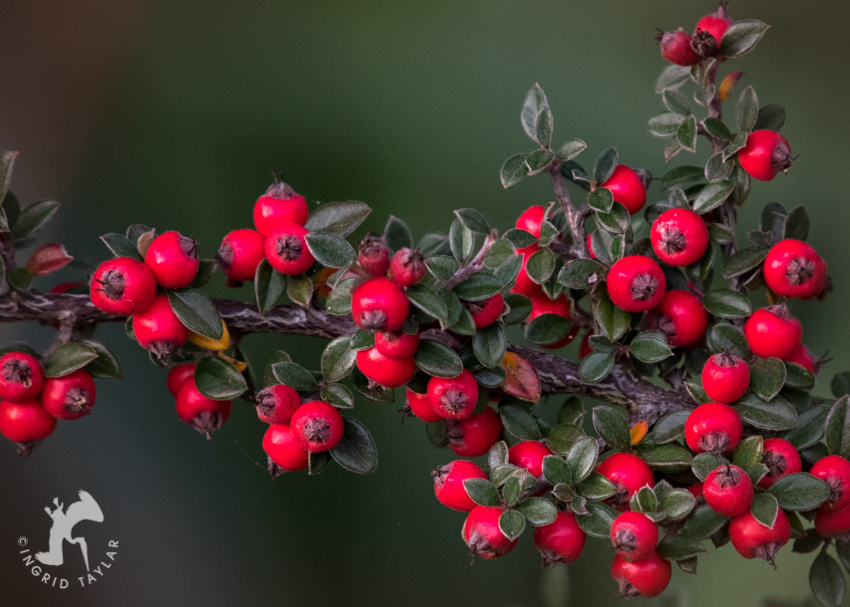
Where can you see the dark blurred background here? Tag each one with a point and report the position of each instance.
(173, 114)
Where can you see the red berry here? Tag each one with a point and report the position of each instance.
(636, 283)
(397, 346)
(681, 317)
(25, 422)
(561, 541)
(202, 413)
(419, 405)
(781, 459)
(283, 451)
(647, 577)
(407, 267)
(21, 377)
(485, 313)
(773, 332)
(676, 47)
(317, 426)
(379, 304)
(529, 454)
(69, 397)
(530, 221)
(453, 397)
(834, 524)
(713, 428)
(725, 377)
(590, 246)
(835, 471)
(801, 356)
(178, 375)
(715, 24)
(794, 269)
(584, 348)
(679, 237)
(476, 434)
(448, 484)
(482, 534)
(696, 489)
(240, 253)
(765, 154)
(122, 286)
(286, 249)
(276, 404)
(279, 205)
(373, 255)
(752, 539)
(173, 259)
(158, 329)
(634, 535)
(728, 490)
(524, 285)
(628, 473)
(627, 187)
(385, 371)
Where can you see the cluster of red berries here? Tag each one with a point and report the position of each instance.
(685, 49)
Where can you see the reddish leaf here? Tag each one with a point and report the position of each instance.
(48, 259)
(521, 379)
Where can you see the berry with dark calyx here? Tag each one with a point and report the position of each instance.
(523, 284)
(834, 470)
(240, 253)
(482, 534)
(628, 473)
(407, 267)
(676, 47)
(21, 377)
(713, 428)
(679, 237)
(530, 221)
(453, 397)
(716, 23)
(476, 434)
(752, 539)
(636, 283)
(561, 541)
(542, 304)
(794, 269)
(627, 187)
(173, 259)
(158, 329)
(286, 249)
(781, 459)
(122, 286)
(70, 396)
(765, 154)
(725, 377)
(529, 454)
(773, 332)
(373, 255)
(485, 313)
(178, 375)
(317, 426)
(276, 404)
(26, 423)
(728, 490)
(283, 451)
(419, 405)
(801, 356)
(681, 317)
(634, 535)
(448, 484)
(201, 412)
(379, 304)
(279, 205)
(834, 524)
(385, 371)
(397, 346)
(647, 577)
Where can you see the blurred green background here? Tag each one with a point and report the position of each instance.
(173, 114)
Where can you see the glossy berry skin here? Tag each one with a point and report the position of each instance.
(561, 541)
(158, 329)
(485, 313)
(794, 269)
(773, 332)
(69, 397)
(476, 434)
(173, 259)
(714, 24)
(697, 489)
(590, 246)
(373, 255)
(725, 377)
(728, 490)
(679, 237)
(524, 285)
(529, 454)
(713, 428)
(178, 375)
(530, 221)
(21, 377)
(200, 412)
(385, 371)
(765, 154)
(419, 405)
(122, 286)
(286, 249)
(25, 422)
(276, 404)
(482, 534)
(636, 283)
(407, 267)
(240, 253)
(634, 536)
(801, 356)
(647, 577)
(781, 459)
(833, 523)
(628, 473)
(279, 205)
(835, 471)
(627, 188)
(397, 346)
(283, 450)
(752, 539)
(448, 484)
(317, 426)
(455, 397)
(379, 304)
(681, 317)
(676, 48)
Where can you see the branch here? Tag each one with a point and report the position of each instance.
(575, 217)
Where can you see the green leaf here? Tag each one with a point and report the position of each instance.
(767, 376)
(718, 128)
(339, 301)
(479, 286)
(340, 218)
(356, 452)
(20, 278)
(106, 364)
(749, 452)
(596, 367)
(197, 312)
(672, 77)
(666, 124)
(809, 429)
(67, 358)
(601, 199)
(605, 164)
(726, 303)
(827, 581)
(538, 161)
(426, 300)
(670, 427)
(724, 337)
(775, 415)
(269, 285)
(337, 395)
(744, 260)
(704, 464)
(582, 459)
(797, 224)
(616, 221)
(474, 220)
(742, 37)
(571, 149)
(677, 504)
(596, 487)
(840, 384)
(461, 241)
(512, 489)
(498, 454)
(720, 234)
(800, 492)
(538, 511)
(563, 436)
(121, 246)
(397, 235)
(676, 101)
(540, 266)
(511, 524)
(442, 267)
(547, 329)
(536, 117)
(687, 134)
(838, 428)
(702, 523)
(300, 290)
(338, 359)
(218, 379)
(771, 117)
(519, 238)
(295, 376)
(712, 196)
(650, 347)
(519, 422)
(437, 359)
(33, 219)
(612, 427)
(679, 547)
(7, 162)
(613, 320)
(489, 345)
(765, 509)
(482, 492)
(513, 170)
(581, 273)
(556, 470)
(670, 458)
(330, 250)
(206, 270)
(747, 109)
(597, 522)
(683, 177)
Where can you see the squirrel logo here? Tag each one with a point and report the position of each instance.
(86, 509)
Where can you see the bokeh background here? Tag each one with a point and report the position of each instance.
(173, 114)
